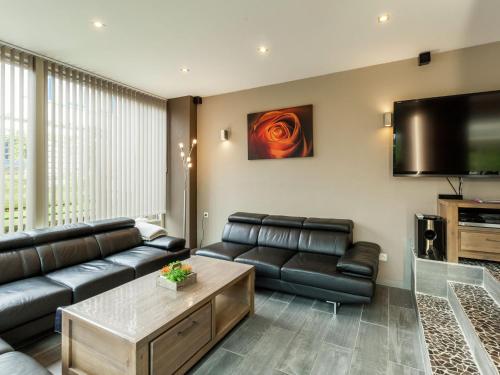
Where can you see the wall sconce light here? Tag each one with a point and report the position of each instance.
(388, 119)
(224, 135)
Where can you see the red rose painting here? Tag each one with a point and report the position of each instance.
(281, 133)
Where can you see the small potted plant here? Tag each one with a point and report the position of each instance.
(176, 275)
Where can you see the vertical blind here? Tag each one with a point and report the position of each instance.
(106, 149)
(17, 119)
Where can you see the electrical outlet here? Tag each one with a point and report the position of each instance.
(383, 257)
(205, 215)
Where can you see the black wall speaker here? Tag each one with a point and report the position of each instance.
(430, 236)
(424, 58)
(197, 100)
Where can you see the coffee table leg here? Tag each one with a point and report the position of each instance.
(65, 344)
(251, 292)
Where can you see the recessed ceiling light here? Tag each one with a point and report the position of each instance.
(263, 49)
(185, 70)
(383, 18)
(98, 24)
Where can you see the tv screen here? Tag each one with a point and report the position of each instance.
(455, 135)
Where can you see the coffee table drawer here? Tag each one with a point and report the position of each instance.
(172, 349)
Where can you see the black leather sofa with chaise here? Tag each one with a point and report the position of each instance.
(306, 256)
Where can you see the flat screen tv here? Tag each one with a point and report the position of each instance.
(455, 135)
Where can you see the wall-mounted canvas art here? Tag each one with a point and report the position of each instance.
(281, 133)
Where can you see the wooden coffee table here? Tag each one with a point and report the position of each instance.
(139, 328)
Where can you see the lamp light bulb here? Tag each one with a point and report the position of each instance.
(182, 154)
(181, 145)
(188, 159)
(383, 18)
(190, 165)
(195, 141)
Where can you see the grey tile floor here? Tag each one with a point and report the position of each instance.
(292, 335)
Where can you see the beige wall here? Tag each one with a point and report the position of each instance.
(350, 174)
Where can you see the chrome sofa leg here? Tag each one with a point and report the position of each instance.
(336, 305)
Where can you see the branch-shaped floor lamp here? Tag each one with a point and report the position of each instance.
(187, 164)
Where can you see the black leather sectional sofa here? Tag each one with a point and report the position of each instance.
(306, 256)
(43, 269)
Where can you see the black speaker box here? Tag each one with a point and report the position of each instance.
(430, 237)
(424, 58)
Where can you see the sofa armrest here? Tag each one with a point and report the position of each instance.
(360, 260)
(167, 243)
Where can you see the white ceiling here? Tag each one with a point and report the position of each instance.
(145, 43)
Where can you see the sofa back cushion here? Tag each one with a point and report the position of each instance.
(107, 225)
(15, 241)
(59, 233)
(283, 221)
(18, 264)
(334, 225)
(246, 217)
(315, 235)
(18, 258)
(326, 236)
(324, 242)
(281, 237)
(118, 240)
(61, 254)
(280, 231)
(241, 233)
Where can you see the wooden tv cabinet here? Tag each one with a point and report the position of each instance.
(468, 241)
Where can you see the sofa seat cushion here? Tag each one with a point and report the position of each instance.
(17, 363)
(91, 278)
(143, 259)
(267, 260)
(223, 250)
(320, 271)
(28, 299)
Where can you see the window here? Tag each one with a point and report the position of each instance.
(17, 139)
(106, 149)
(78, 148)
